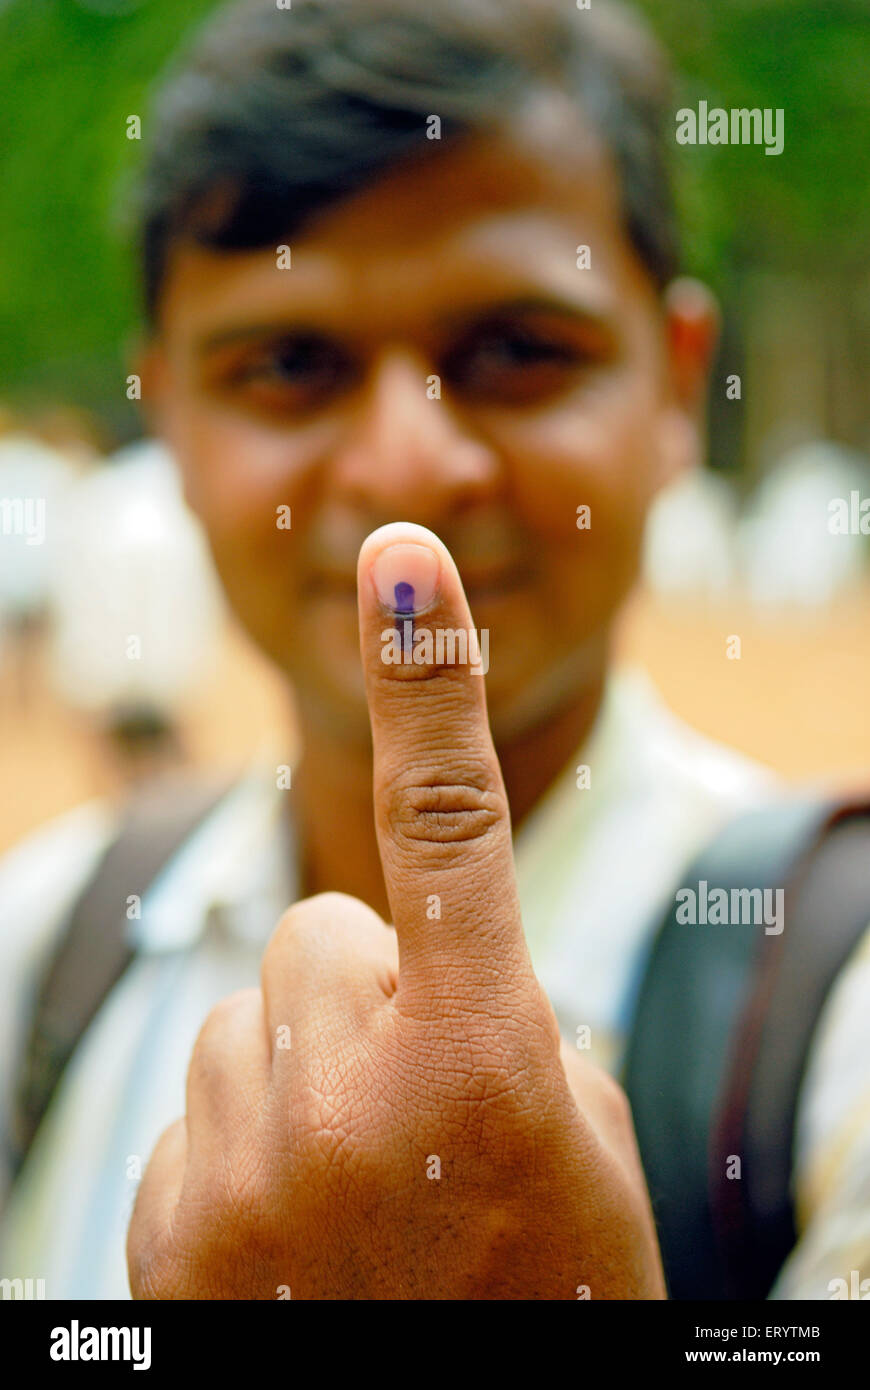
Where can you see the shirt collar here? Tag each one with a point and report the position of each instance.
(237, 870)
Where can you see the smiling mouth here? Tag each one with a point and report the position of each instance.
(495, 586)
(480, 585)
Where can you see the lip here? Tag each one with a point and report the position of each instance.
(485, 583)
(491, 588)
(492, 576)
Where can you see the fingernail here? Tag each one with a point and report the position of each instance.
(406, 577)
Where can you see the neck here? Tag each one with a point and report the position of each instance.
(332, 796)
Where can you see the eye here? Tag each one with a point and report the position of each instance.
(516, 363)
(291, 373)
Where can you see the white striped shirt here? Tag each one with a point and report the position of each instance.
(595, 869)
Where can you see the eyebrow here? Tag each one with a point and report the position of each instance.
(268, 328)
(553, 305)
(492, 308)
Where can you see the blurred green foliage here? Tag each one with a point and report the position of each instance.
(71, 71)
(805, 210)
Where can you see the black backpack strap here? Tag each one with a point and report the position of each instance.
(705, 1073)
(93, 948)
(827, 911)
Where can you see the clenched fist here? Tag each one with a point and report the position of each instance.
(392, 1115)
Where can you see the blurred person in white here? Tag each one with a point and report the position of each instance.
(792, 548)
(138, 613)
(34, 485)
(35, 482)
(562, 387)
(702, 510)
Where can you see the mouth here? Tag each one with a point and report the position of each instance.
(481, 585)
(488, 586)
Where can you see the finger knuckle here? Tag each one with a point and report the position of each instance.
(303, 921)
(242, 1188)
(152, 1270)
(615, 1102)
(289, 937)
(491, 1072)
(435, 809)
(152, 1278)
(223, 1019)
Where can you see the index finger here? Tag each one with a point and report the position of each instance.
(441, 809)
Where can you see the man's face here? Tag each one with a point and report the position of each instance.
(316, 388)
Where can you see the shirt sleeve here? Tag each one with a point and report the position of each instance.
(832, 1148)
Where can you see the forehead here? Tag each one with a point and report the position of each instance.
(488, 217)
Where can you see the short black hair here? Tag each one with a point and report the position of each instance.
(273, 114)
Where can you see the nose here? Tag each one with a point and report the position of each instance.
(407, 452)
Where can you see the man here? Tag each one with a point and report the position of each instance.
(410, 269)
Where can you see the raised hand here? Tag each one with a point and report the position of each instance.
(392, 1115)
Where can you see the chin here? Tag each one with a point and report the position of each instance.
(331, 692)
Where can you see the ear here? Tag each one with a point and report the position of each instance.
(692, 332)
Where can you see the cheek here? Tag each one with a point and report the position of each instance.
(603, 459)
(231, 473)
(235, 475)
(239, 479)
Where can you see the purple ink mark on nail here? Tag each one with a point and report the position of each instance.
(404, 597)
(404, 601)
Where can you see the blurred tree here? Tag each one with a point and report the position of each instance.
(71, 72)
(782, 238)
(808, 206)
